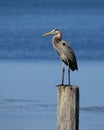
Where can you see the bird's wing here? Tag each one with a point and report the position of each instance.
(68, 51)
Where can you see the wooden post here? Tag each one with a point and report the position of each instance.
(68, 108)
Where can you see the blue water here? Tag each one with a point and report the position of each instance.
(30, 68)
(21, 30)
(28, 94)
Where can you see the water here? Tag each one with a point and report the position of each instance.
(28, 94)
(21, 32)
(30, 68)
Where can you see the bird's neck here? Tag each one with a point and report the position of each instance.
(56, 39)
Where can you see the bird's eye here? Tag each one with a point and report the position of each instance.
(63, 44)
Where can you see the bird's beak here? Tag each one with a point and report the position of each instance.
(47, 34)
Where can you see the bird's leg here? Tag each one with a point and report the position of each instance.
(69, 74)
(63, 71)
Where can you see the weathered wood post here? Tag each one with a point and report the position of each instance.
(68, 108)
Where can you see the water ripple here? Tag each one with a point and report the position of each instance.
(25, 105)
(93, 109)
(36, 105)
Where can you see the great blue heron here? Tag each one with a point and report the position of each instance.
(65, 52)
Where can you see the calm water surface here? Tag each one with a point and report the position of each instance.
(28, 94)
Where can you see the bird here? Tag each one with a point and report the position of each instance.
(64, 51)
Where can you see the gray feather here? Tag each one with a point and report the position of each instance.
(67, 54)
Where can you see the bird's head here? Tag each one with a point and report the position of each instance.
(55, 31)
